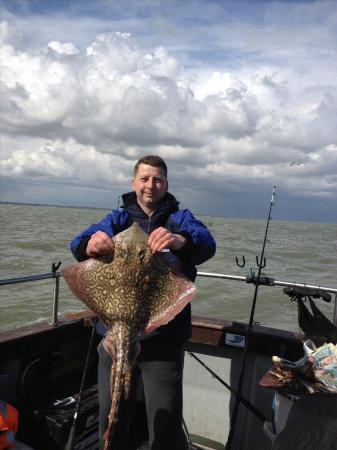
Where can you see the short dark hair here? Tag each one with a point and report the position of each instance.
(151, 160)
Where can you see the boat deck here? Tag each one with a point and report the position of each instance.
(43, 362)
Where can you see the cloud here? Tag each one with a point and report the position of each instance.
(56, 49)
(61, 160)
(8, 34)
(229, 106)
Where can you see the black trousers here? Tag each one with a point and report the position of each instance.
(159, 368)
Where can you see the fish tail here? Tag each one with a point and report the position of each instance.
(133, 354)
(119, 372)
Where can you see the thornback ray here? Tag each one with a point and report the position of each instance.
(133, 294)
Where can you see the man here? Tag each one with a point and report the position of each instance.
(159, 366)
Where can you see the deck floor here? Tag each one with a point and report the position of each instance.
(145, 446)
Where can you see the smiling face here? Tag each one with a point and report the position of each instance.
(150, 185)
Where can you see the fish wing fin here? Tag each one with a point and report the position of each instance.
(173, 292)
(91, 282)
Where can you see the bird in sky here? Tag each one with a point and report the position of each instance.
(296, 163)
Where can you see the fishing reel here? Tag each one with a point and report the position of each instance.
(296, 292)
(315, 325)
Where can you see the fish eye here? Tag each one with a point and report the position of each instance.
(141, 255)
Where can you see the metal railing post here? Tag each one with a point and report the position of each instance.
(54, 319)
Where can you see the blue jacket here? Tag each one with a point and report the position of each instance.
(200, 246)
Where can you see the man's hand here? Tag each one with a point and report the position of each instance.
(161, 238)
(100, 244)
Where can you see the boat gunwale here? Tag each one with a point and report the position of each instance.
(204, 329)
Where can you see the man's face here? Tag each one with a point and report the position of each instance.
(150, 185)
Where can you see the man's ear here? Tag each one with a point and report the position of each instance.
(133, 184)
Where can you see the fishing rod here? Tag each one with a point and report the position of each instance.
(261, 264)
(243, 400)
(72, 433)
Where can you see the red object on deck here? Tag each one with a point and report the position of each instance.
(9, 421)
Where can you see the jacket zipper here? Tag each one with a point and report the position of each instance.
(149, 225)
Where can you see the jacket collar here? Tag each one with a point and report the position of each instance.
(168, 204)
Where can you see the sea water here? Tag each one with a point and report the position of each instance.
(33, 237)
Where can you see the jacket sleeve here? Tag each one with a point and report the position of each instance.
(111, 225)
(200, 243)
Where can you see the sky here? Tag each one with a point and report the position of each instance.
(236, 96)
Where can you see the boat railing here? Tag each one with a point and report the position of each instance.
(42, 276)
(266, 281)
(269, 281)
